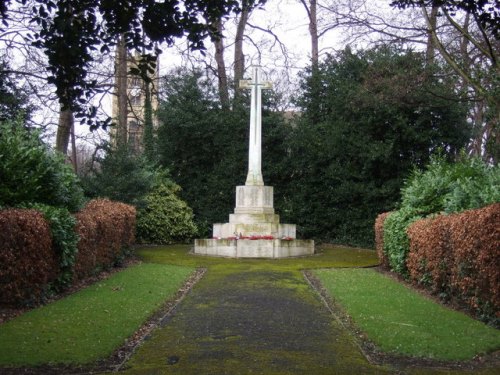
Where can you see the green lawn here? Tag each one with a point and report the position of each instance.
(401, 321)
(90, 324)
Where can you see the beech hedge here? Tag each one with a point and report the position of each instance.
(32, 261)
(457, 257)
(28, 263)
(107, 231)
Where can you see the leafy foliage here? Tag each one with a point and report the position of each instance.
(28, 265)
(31, 173)
(14, 102)
(442, 187)
(456, 258)
(203, 146)
(121, 176)
(107, 231)
(396, 242)
(69, 32)
(165, 218)
(368, 118)
(64, 240)
(452, 187)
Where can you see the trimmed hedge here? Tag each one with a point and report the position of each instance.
(106, 230)
(32, 264)
(457, 257)
(379, 239)
(28, 263)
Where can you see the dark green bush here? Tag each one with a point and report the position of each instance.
(64, 240)
(31, 173)
(396, 242)
(122, 177)
(443, 187)
(165, 218)
(452, 187)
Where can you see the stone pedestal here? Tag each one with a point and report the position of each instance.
(254, 230)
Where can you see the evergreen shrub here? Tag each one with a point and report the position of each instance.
(28, 265)
(31, 173)
(165, 218)
(64, 240)
(443, 187)
(396, 242)
(379, 239)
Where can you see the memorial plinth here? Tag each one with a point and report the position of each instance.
(254, 230)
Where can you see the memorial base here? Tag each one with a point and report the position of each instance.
(244, 248)
(254, 230)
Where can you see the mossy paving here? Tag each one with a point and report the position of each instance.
(258, 317)
(252, 322)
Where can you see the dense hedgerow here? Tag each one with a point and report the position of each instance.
(28, 265)
(107, 231)
(379, 239)
(457, 257)
(64, 241)
(443, 187)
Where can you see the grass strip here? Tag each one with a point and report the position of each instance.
(90, 324)
(400, 321)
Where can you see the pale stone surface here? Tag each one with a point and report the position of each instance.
(254, 248)
(254, 199)
(254, 212)
(256, 84)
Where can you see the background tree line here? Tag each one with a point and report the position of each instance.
(364, 120)
(364, 117)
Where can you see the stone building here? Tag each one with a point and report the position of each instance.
(135, 88)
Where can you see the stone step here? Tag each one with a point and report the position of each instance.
(252, 218)
(254, 248)
(256, 229)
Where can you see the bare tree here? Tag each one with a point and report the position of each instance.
(218, 41)
(121, 93)
(311, 8)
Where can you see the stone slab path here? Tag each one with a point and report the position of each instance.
(251, 322)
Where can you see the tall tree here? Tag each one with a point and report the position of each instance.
(14, 101)
(379, 113)
(69, 31)
(476, 60)
(311, 8)
(121, 83)
(218, 41)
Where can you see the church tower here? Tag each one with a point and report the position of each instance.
(130, 101)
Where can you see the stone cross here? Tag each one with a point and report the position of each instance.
(254, 176)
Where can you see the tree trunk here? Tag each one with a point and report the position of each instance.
(312, 15)
(221, 66)
(431, 48)
(66, 122)
(121, 92)
(239, 57)
(313, 30)
(73, 148)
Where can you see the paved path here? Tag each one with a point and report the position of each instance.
(251, 322)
